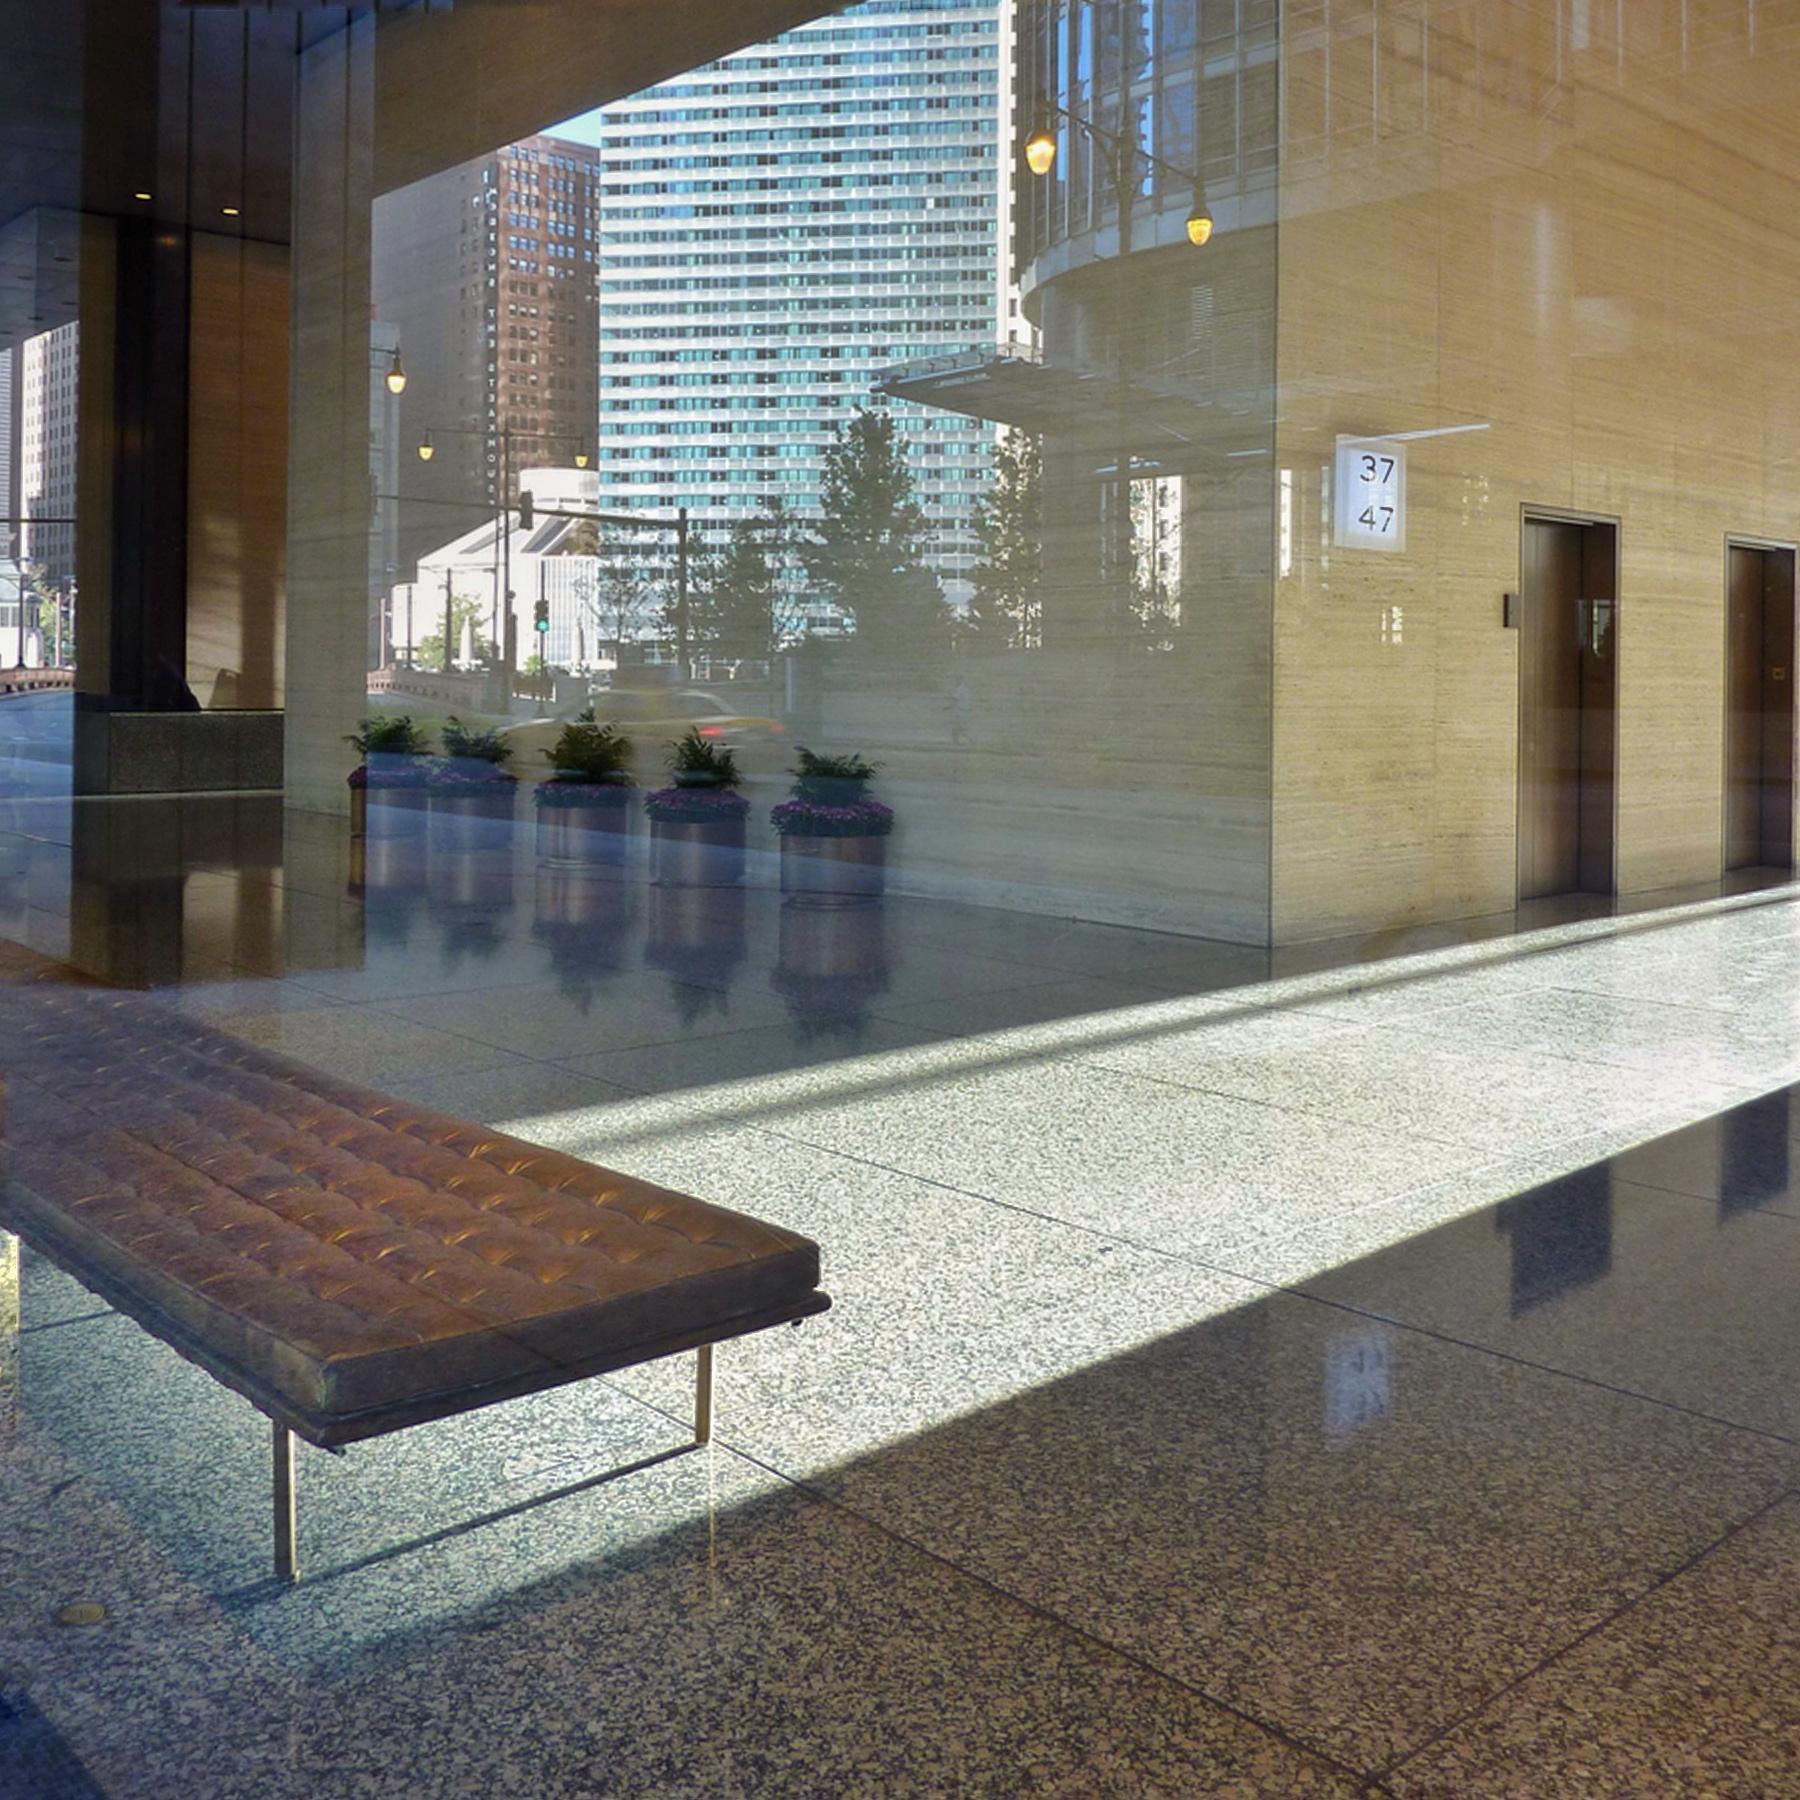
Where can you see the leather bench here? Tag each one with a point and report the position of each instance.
(350, 1264)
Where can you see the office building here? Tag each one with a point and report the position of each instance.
(487, 273)
(49, 368)
(778, 227)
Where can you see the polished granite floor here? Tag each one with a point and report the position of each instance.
(1369, 1371)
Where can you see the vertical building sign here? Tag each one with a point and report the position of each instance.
(1370, 485)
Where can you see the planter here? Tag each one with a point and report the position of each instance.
(593, 829)
(697, 855)
(833, 871)
(468, 819)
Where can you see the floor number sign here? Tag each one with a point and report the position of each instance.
(1370, 484)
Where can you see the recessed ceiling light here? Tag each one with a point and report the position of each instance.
(231, 212)
(141, 194)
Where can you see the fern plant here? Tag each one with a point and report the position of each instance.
(388, 734)
(702, 762)
(473, 744)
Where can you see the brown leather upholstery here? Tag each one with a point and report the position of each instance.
(357, 1261)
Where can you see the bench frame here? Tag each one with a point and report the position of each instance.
(333, 1431)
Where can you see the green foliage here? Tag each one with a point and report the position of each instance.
(389, 734)
(1006, 610)
(868, 552)
(829, 774)
(466, 618)
(474, 744)
(586, 750)
(732, 610)
(697, 761)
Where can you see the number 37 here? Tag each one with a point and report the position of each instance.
(1375, 469)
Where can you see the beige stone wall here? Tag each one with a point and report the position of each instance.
(1589, 252)
(237, 471)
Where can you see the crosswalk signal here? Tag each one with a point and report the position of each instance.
(543, 615)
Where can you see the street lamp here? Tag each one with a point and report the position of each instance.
(503, 594)
(396, 375)
(1040, 148)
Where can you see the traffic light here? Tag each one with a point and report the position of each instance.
(527, 516)
(543, 615)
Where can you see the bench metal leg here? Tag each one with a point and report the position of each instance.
(286, 1564)
(703, 1394)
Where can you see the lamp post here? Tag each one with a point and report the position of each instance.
(1124, 158)
(505, 633)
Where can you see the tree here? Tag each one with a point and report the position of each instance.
(466, 619)
(868, 553)
(1006, 611)
(732, 611)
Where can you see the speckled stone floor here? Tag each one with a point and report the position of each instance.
(1363, 1372)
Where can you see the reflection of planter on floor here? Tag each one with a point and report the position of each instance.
(587, 923)
(387, 823)
(833, 836)
(582, 821)
(471, 833)
(698, 935)
(833, 961)
(696, 836)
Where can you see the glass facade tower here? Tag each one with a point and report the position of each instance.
(775, 230)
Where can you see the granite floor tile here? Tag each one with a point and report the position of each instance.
(1393, 1080)
(1695, 1691)
(1359, 1532)
(47, 1296)
(1626, 1033)
(1641, 1289)
(718, 1634)
(785, 1648)
(1138, 1159)
(752, 1054)
(1746, 1158)
(1070, 1001)
(363, 1044)
(545, 1021)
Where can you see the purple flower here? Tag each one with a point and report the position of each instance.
(814, 818)
(560, 792)
(376, 780)
(695, 805)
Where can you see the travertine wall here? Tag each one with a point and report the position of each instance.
(237, 471)
(1578, 257)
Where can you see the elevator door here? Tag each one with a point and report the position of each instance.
(1759, 709)
(1567, 632)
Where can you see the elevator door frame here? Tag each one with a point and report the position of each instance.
(1739, 540)
(1556, 515)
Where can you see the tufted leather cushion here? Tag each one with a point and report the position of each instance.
(348, 1253)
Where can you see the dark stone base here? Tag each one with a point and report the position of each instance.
(176, 752)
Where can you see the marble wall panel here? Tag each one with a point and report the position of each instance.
(1593, 263)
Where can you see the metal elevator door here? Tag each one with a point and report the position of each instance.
(1759, 708)
(1567, 647)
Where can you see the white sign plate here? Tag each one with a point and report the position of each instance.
(1370, 484)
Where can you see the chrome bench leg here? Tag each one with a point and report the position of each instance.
(703, 1394)
(286, 1565)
